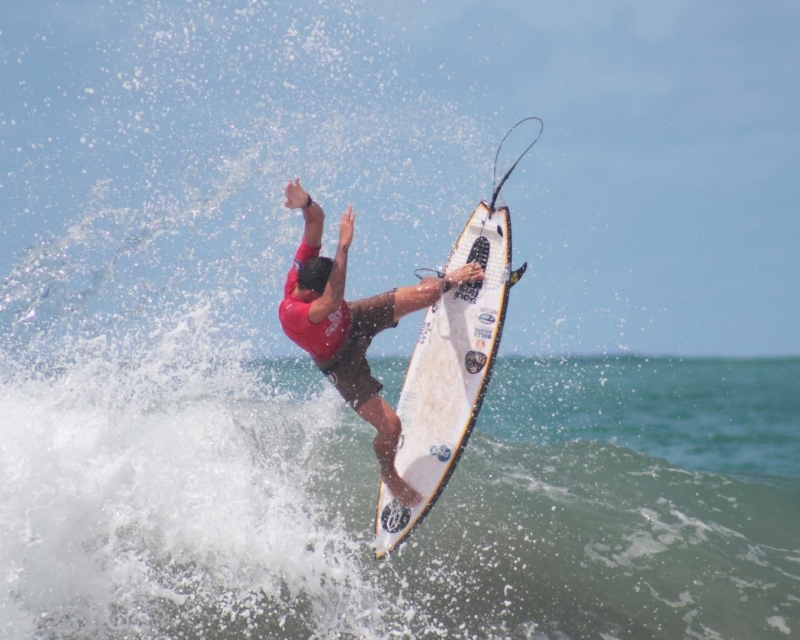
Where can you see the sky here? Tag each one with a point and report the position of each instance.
(144, 145)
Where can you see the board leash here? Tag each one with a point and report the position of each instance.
(515, 275)
(499, 186)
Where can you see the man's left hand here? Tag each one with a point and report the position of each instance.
(296, 196)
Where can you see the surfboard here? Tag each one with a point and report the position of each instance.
(449, 373)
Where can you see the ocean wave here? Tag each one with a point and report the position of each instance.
(211, 514)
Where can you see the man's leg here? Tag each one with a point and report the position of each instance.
(380, 415)
(429, 290)
(374, 315)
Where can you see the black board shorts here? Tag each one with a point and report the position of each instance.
(349, 370)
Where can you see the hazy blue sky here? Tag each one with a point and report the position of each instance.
(658, 212)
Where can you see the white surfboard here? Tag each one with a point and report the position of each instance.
(449, 373)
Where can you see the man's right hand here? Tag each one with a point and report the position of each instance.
(347, 227)
(333, 296)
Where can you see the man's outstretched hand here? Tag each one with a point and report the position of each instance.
(314, 216)
(347, 227)
(296, 196)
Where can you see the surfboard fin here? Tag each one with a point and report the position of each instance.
(516, 275)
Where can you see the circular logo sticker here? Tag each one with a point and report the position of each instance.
(395, 517)
(475, 361)
(442, 452)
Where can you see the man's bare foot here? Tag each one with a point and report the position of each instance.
(465, 274)
(403, 491)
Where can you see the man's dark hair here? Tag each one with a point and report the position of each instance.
(314, 273)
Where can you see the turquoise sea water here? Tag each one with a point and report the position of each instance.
(709, 414)
(613, 497)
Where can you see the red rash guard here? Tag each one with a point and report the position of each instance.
(321, 340)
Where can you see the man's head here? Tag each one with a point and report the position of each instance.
(313, 274)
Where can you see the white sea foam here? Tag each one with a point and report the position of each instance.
(115, 498)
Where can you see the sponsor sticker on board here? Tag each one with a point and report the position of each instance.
(441, 452)
(395, 517)
(475, 361)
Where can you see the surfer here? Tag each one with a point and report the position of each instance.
(337, 333)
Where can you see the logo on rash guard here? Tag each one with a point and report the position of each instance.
(335, 320)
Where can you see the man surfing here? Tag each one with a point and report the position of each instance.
(337, 333)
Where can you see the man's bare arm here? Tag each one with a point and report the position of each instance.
(313, 215)
(333, 296)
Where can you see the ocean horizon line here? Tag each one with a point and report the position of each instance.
(578, 356)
